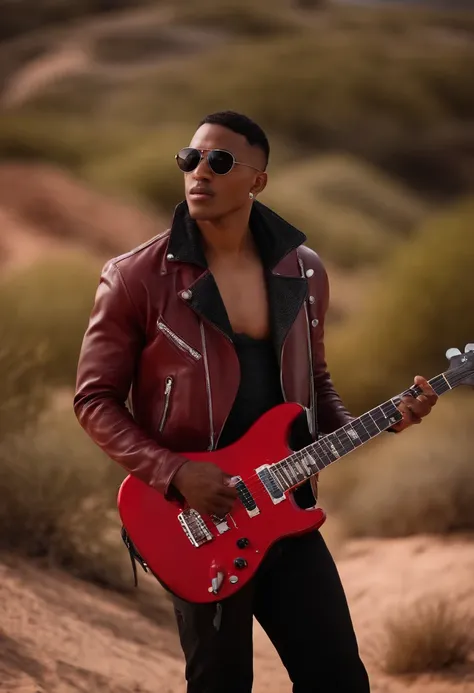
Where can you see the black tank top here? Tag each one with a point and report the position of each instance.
(259, 388)
(259, 391)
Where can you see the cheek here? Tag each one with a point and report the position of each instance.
(233, 189)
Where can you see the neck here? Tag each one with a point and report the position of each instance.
(229, 236)
(313, 458)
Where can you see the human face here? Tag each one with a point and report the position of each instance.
(212, 197)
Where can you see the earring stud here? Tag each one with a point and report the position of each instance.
(251, 195)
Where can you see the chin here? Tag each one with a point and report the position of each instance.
(200, 212)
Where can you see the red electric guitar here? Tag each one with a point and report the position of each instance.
(206, 559)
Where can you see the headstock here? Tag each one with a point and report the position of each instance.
(461, 366)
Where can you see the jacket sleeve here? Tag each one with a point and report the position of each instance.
(110, 350)
(330, 410)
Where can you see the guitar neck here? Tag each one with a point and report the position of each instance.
(307, 462)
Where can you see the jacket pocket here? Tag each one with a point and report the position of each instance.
(164, 415)
(178, 341)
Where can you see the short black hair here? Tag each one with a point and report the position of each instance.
(242, 125)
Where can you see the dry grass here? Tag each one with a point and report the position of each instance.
(430, 636)
(57, 491)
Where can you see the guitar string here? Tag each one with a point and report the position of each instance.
(255, 485)
(254, 482)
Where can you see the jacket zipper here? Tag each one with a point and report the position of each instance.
(208, 388)
(312, 405)
(180, 343)
(168, 388)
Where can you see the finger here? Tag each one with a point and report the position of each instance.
(220, 509)
(407, 409)
(229, 485)
(418, 407)
(226, 491)
(428, 391)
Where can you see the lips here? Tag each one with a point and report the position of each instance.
(201, 192)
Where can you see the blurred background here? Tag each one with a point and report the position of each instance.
(369, 108)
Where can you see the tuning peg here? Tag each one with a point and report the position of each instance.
(468, 347)
(452, 352)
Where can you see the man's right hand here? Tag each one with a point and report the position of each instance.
(205, 487)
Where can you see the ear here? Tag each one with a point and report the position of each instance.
(260, 183)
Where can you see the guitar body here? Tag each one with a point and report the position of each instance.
(229, 553)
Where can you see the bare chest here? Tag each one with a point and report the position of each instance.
(244, 293)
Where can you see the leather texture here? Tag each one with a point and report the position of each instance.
(158, 318)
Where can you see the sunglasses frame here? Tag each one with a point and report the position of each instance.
(209, 151)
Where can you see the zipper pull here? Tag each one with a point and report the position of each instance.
(168, 384)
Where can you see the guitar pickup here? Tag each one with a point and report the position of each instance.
(271, 484)
(246, 497)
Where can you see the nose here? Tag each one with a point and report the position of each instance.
(203, 170)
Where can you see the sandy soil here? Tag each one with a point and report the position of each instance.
(59, 635)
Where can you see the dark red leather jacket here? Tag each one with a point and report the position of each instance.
(158, 373)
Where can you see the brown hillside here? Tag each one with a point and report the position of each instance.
(43, 208)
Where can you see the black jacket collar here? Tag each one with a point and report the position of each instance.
(274, 236)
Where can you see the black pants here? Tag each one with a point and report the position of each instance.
(298, 599)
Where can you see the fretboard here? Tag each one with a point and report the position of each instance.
(312, 459)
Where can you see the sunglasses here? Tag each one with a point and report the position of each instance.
(220, 161)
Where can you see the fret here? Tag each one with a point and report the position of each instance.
(441, 384)
(378, 418)
(369, 424)
(312, 459)
(279, 475)
(324, 457)
(336, 445)
(338, 442)
(358, 426)
(302, 458)
(389, 410)
(309, 460)
(326, 447)
(287, 473)
(299, 469)
(349, 440)
(292, 463)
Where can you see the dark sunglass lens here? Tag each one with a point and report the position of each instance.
(188, 159)
(220, 162)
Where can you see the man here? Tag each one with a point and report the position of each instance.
(205, 328)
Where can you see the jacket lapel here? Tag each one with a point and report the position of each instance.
(287, 291)
(276, 241)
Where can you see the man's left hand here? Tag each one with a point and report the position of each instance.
(414, 410)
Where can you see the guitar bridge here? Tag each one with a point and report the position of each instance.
(194, 527)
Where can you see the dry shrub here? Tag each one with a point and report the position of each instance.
(47, 306)
(58, 495)
(147, 170)
(431, 635)
(238, 17)
(23, 385)
(352, 213)
(348, 82)
(58, 508)
(418, 481)
(423, 307)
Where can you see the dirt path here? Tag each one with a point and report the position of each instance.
(58, 635)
